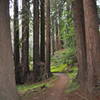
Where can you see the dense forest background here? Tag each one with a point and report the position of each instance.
(39, 38)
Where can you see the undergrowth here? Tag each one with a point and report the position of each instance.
(22, 89)
(62, 59)
(73, 84)
(60, 68)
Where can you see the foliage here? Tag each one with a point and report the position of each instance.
(66, 56)
(22, 89)
(67, 30)
(60, 68)
(72, 72)
(65, 20)
(73, 84)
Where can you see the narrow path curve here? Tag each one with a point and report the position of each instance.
(57, 91)
(54, 93)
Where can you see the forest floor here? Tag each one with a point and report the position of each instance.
(57, 92)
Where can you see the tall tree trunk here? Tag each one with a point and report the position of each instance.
(48, 38)
(16, 42)
(57, 22)
(92, 42)
(59, 19)
(7, 76)
(52, 36)
(78, 12)
(42, 31)
(42, 43)
(58, 42)
(36, 56)
(57, 35)
(25, 38)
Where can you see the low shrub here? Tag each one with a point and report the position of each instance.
(66, 56)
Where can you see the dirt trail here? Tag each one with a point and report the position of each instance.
(54, 93)
(57, 91)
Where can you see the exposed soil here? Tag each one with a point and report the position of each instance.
(57, 92)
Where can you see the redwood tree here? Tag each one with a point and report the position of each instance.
(92, 44)
(25, 38)
(57, 35)
(36, 56)
(53, 35)
(42, 52)
(78, 13)
(7, 75)
(48, 38)
(16, 42)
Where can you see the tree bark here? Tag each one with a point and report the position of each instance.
(59, 26)
(36, 56)
(42, 31)
(78, 13)
(58, 42)
(53, 36)
(7, 76)
(16, 42)
(56, 25)
(93, 44)
(25, 38)
(48, 38)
